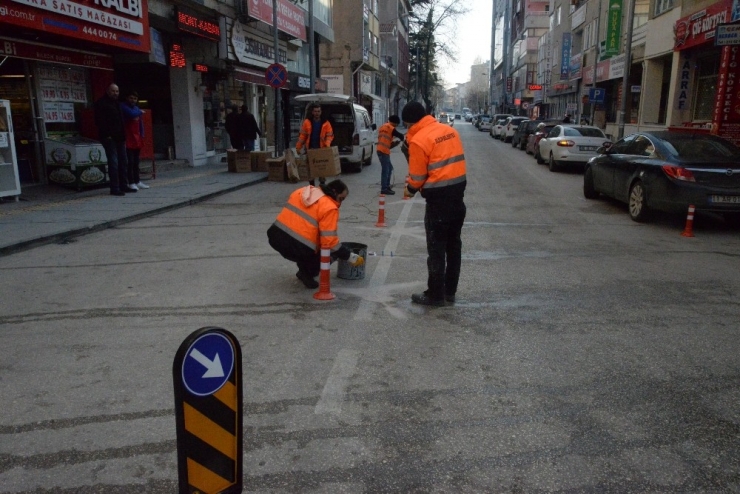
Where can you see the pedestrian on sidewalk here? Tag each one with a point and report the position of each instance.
(249, 128)
(134, 125)
(309, 223)
(111, 132)
(386, 133)
(437, 168)
(316, 132)
(232, 128)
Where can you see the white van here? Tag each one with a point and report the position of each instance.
(354, 133)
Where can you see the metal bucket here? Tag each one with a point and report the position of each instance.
(347, 271)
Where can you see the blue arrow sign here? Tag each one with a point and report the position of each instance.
(208, 364)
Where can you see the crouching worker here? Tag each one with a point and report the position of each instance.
(307, 224)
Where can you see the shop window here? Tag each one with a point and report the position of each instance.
(706, 86)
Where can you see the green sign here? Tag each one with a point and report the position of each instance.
(613, 28)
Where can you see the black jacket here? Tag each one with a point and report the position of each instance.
(248, 126)
(109, 120)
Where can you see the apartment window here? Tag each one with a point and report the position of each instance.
(663, 6)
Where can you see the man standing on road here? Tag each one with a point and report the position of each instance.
(316, 132)
(437, 168)
(249, 129)
(109, 120)
(309, 223)
(386, 133)
(134, 126)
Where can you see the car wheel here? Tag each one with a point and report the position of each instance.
(589, 191)
(637, 204)
(358, 166)
(553, 165)
(513, 142)
(538, 156)
(369, 160)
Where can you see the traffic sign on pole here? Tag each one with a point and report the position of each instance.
(208, 411)
(276, 75)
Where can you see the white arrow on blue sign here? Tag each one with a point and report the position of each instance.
(208, 364)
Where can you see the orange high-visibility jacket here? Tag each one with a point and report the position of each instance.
(436, 157)
(385, 138)
(304, 137)
(311, 217)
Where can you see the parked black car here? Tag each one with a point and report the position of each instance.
(526, 127)
(668, 171)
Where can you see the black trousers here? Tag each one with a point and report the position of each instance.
(307, 260)
(132, 156)
(443, 223)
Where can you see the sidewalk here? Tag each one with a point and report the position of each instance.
(51, 213)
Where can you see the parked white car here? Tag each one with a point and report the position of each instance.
(571, 144)
(485, 124)
(354, 133)
(512, 123)
(497, 127)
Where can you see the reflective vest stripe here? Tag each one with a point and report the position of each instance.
(294, 235)
(418, 178)
(448, 161)
(445, 183)
(302, 214)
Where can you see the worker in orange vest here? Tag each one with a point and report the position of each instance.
(316, 132)
(386, 133)
(309, 223)
(437, 169)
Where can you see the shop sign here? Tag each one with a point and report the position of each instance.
(33, 51)
(158, 53)
(727, 35)
(177, 56)
(602, 72)
(565, 56)
(613, 27)
(684, 88)
(735, 11)
(366, 83)
(335, 83)
(726, 116)
(700, 26)
(616, 67)
(258, 51)
(576, 66)
(290, 18)
(193, 23)
(124, 24)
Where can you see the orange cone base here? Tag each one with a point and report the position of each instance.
(381, 225)
(687, 233)
(324, 295)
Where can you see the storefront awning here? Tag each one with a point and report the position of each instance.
(254, 76)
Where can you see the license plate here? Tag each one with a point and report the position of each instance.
(725, 199)
(587, 148)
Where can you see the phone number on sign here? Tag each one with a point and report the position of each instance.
(100, 33)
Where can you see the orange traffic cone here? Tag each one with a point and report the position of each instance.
(689, 230)
(381, 212)
(324, 292)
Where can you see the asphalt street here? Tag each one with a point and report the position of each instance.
(585, 353)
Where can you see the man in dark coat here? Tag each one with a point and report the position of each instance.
(232, 128)
(112, 134)
(249, 128)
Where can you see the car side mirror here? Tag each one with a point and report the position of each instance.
(605, 148)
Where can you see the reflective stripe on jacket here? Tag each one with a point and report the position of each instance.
(311, 222)
(436, 156)
(385, 138)
(304, 137)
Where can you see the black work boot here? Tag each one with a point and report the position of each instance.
(307, 279)
(425, 299)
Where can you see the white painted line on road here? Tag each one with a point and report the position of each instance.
(366, 308)
(334, 390)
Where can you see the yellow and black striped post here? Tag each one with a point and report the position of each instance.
(207, 376)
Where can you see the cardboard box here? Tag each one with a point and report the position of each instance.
(276, 170)
(259, 161)
(303, 170)
(239, 161)
(324, 162)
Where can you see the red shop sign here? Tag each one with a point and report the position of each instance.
(32, 51)
(699, 27)
(291, 19)
(123, 24)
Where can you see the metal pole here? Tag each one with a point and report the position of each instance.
(312, 52)
(507, 53)
(493, 55)
(627, 67)
(278, 91)
(597, 50)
